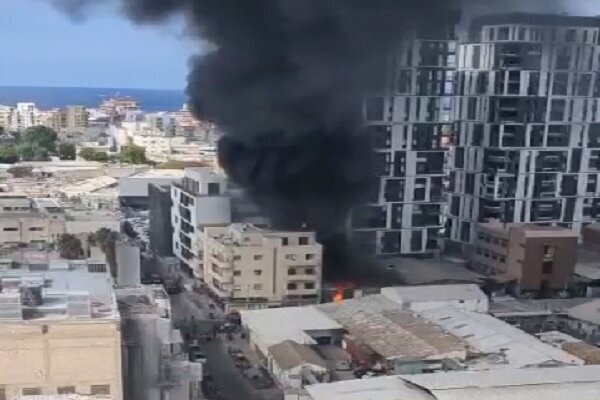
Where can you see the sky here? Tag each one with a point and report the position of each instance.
(43, 47)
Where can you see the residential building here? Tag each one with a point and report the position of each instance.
(155, 364)
(6, 118)
(50, 118)
(75, 119)
(60, 330)
(539, 258)
(161, 229)
(116, 107)
(26, 116)
(527, 137)
(133, 189)
(408, 120)
(200, 200)
(581, 383)
(248, 267)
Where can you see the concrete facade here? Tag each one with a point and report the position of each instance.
(252, 268)
(527, 136)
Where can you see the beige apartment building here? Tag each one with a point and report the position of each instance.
(75, 118)
(538, 258)
(251, 268)
(59, 331)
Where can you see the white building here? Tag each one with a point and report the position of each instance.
(527, 135)
(422, 298)
(133, 189)
(199, 201)
(292, 363)
(248, 267)
(26, 116)
(581, 383)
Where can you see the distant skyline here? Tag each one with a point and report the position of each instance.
(44, 47)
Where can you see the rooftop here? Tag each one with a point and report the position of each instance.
(530, 230)
(392, 332)
(588, 312)
(88, 186)
(292, 323)
(488, 335)
(581, 383)
(289, 354)
(159, 173)
(588, 264)
(433, 293)
(430, 271)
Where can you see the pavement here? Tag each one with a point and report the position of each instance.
(229, 382)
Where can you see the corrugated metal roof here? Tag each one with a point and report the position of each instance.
(289, 354)
(588, 312)
(434, 293)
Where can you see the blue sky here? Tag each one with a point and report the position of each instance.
(43, 47)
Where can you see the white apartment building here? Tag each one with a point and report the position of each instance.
(250, 268)
(408, 120)
(26, 116)
(527, 138)
(6, 117)
(158, 148)
(199, 201)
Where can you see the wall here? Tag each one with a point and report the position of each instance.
(128, 264)
(161, 229)
(76, 354)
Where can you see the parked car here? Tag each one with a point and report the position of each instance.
(197, 356)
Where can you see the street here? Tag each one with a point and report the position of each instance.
(229, 381)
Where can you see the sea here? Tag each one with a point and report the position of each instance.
(57, 97)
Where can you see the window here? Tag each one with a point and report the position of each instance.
(290, 256)
(237, 258)
(213, 189)
(309, 285)
(547, 267)
(291, 271)
(284, 241)
(32, 391)
(257, 272)
(292, 286)
(303, 241)
(36, 229)
(549, 251)
(66, 390)
(237, 288)
(237, 273)
(257, 286)
(310, 256)
(309, 271)
(10, 229)
(100, 389)
(258, 257)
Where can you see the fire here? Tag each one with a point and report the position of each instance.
(338, 297)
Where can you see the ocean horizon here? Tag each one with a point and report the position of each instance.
(58, 97)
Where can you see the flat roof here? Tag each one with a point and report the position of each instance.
(429, 271)
(588, 312)
(158, 173)
(488, 335)
(509, 306)
(427, 293)
(382, 325)
(581, 383)
(275, 325)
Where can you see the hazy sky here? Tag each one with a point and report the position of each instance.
(42, 47)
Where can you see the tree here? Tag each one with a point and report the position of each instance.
(133, 154)
(67, 151)
(69, 246)
(8, 154)
(37, 144)
(107, 239)
(93, 155)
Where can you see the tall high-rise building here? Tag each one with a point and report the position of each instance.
(408, 121)
(527, 137)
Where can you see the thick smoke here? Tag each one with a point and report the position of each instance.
(285, 82)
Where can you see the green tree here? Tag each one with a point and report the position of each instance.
(133, 154)
(69, 246)
(37, 143)
(93, 155)
(67, 151)
(8, 154)
(106, 240)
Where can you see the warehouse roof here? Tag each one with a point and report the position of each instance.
(581, 383)
(489, 335)
(289, 354)
(588, 312)
(433, 293)
(392, 332)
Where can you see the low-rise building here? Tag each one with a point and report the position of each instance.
(133, 189)
(539, 258)
(421, 298)
(581, 383)
(59, 330)
(248, 267)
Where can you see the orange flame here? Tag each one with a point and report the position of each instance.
(338, 297)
